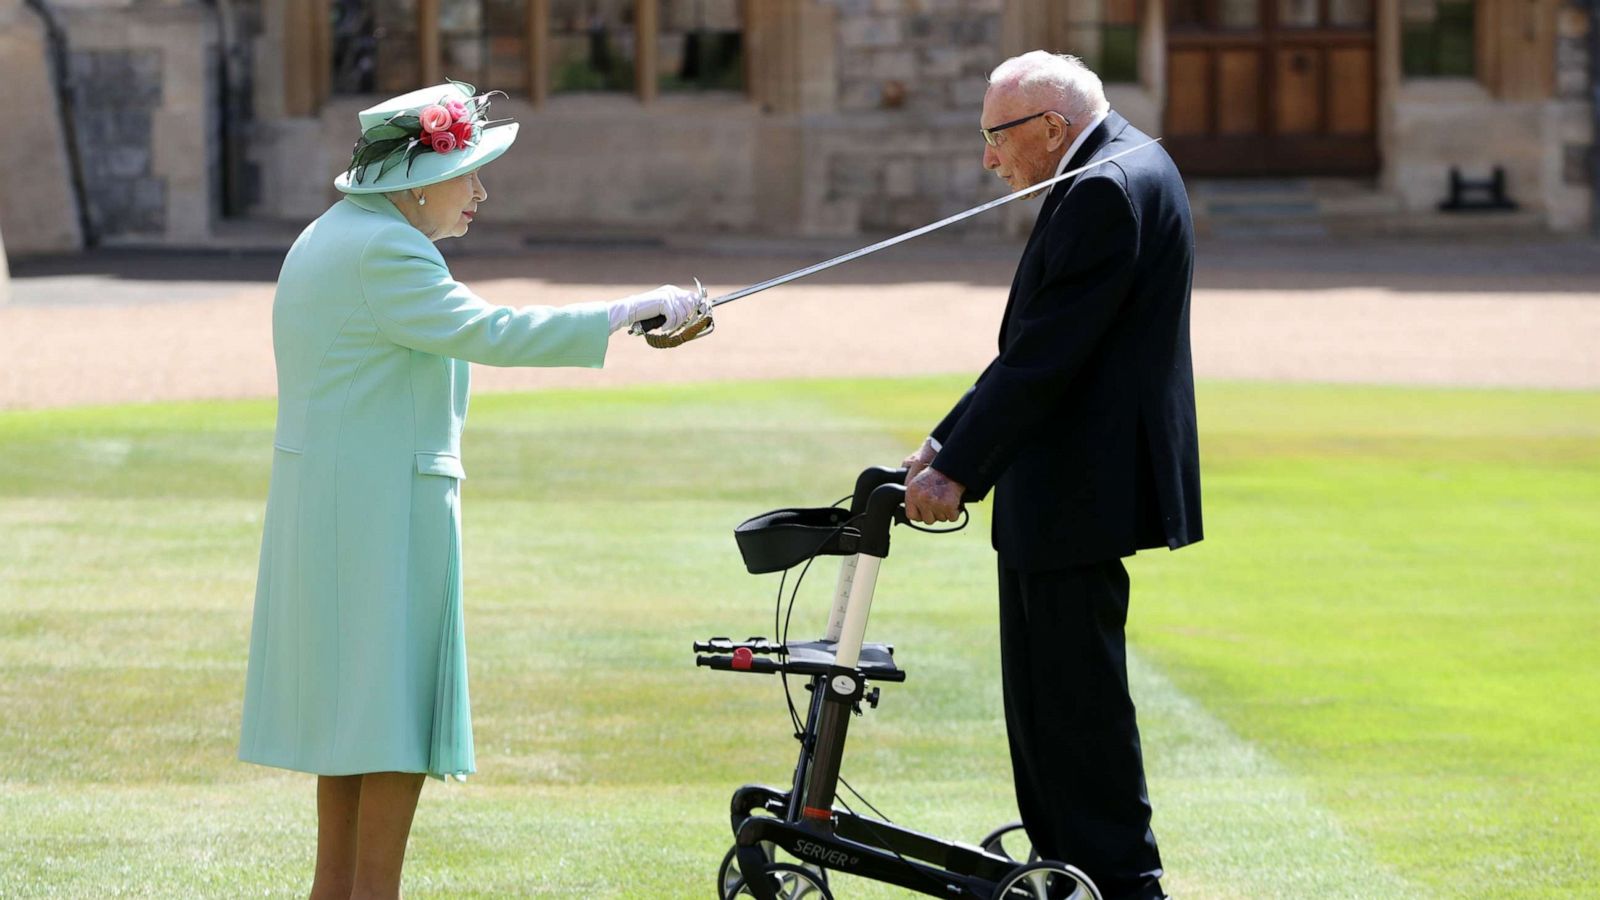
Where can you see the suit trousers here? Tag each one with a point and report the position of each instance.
(1075, 753)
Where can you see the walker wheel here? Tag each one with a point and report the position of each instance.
(1010, 841)
(790, 882)
(1047, 881)
(730, 881)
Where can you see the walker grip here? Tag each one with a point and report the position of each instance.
(885, 507)
(870, 480)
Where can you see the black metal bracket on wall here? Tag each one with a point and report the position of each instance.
(60, 69)
(1594, 97)
(1478, 194)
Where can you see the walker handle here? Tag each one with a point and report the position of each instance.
(886, 506)
(868, 481)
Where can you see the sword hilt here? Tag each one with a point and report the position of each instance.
(697, 327)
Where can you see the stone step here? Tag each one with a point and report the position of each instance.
(1375, 224)
(1322, 207)
(1273, 209)
(1249, 187)
(1444, 224)
(1242, 227)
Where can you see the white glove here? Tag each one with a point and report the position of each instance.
(677, 304)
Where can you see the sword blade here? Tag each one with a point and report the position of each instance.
(798, 274)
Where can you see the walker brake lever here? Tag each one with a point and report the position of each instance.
(728, 645)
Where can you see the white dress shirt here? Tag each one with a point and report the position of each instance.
(1094, 122)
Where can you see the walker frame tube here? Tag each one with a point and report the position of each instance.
(841, 597)
(854, 628)
(844, 685)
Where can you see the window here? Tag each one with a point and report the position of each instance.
(1324, 14)
(1349, 13)
(700, 46)
(1437, 38)
(1249, 15)
(355, 48)
(374, 46)
(592, 45)
(1241, 14)
(1103, 33)
(537, 47)
(1119, 41)
(484, 42)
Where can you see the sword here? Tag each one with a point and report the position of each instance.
(797, 274)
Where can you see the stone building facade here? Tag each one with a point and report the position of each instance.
(153, 120)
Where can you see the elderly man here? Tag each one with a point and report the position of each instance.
(1084, 426)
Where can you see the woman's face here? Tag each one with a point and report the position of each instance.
(450, 208)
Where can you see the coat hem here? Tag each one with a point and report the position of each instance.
(339, 771)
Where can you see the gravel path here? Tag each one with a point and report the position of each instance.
(121, 326)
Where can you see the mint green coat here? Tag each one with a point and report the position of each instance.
(357, 648)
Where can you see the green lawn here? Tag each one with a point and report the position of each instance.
(1376, 678)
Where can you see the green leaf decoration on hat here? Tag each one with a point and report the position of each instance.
(385, 132)
(366, 153)
(394, 159)
(415, 152)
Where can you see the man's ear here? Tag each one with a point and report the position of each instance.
(1058, 130)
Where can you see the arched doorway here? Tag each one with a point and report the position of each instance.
(1272, 87)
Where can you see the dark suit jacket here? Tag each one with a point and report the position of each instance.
(1084, 425)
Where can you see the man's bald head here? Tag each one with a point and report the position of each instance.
(1045, 80)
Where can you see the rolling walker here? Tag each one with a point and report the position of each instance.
(802, 821)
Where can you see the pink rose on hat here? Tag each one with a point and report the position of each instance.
(463, 133)
(457, 110)
(434, 118)
(442, 141)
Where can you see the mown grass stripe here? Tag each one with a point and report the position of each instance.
(1370, 680)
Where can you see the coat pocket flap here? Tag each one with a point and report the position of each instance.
(447, 464)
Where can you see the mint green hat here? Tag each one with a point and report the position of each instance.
(400, 146)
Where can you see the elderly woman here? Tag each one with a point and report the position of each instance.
(357, 667)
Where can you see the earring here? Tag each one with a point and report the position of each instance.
(422, 200)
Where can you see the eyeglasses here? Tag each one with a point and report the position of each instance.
(990, 135)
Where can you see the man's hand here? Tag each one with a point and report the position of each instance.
(931, 497)
(921, 459)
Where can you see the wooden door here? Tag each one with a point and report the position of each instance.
(1272, 87)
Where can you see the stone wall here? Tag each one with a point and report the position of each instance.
(924, 56)
(904, 150)
(601, 163)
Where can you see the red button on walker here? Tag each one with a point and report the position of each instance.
(742, 658)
